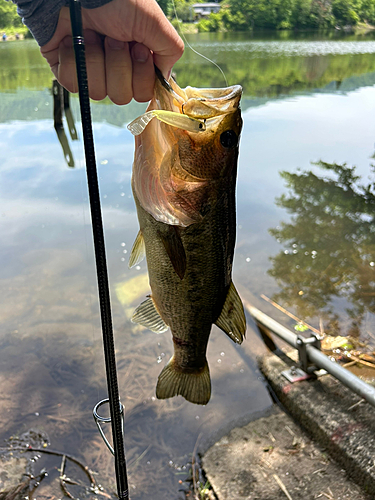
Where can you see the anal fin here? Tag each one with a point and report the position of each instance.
(232, 318)
(138, 250)
(195, 387)
(147, 315)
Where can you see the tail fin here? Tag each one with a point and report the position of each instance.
(194, 387)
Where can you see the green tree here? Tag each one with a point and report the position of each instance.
(166, 6)
(329, 243)
(280, 14)
(345, 11)
(367, 11)
(8, 15)
(286, 14)
(234, 21)
(220, 21)
(213, 23)
(301, 14)
(243, 13)
(312, 14)
(321, 14)
(184, 10)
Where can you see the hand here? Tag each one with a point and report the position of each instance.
(123, 40)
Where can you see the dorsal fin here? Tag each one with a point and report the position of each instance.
(138, 250)
(172, 242)
(147, 315)
(232, 318)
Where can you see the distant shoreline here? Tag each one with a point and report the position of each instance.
(12, 38)
(184, 29)
(192, 28)
(11, 32)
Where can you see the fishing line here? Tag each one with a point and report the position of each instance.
(195, 51)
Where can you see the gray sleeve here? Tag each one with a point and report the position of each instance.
(41, 16)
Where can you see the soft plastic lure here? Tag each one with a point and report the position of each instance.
(178, 120)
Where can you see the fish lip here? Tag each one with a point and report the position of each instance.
(209, 103)
(215, 94)
(199, 103)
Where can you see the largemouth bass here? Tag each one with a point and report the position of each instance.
(184, 181)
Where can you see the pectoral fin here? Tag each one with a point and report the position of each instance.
(194, 387)
(147, 315)
(232, 318)
(138, 251)
(175, 249)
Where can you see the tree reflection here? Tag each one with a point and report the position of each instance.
(329, 244)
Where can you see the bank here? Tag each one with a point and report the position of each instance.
(317, 441)
(12, 32)
(193, 28)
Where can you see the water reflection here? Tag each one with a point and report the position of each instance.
(49, 306)
(329, 244)
(22, 66)
(51, 361)
(270, 68)
(273, 69)
(61, 106)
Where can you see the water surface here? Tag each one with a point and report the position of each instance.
(305, 100)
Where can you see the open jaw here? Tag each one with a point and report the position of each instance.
(190, 109)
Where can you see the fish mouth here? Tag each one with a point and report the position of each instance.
(186, 146)
(210, 103)
(191, 109)
(198, 103)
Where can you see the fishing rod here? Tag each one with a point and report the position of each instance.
(115, 406)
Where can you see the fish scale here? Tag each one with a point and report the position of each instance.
(190, 259)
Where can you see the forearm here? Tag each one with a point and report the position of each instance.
(41, 16)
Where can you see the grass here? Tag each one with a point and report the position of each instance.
(11, 31)
(362, 28)
(184, 28)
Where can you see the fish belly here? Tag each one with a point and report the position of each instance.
(190, 275)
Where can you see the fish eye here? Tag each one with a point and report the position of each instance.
(229, 139)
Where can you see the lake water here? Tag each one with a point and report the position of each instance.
(305, 239)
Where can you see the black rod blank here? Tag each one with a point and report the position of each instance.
(100, 255)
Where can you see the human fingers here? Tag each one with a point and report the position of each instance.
(118, 68)
(160, 37)
(140, 21)
(59, 54)
(143, 73)
(65, 67)
(165, 58)
(51, 51)
(95, 63)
